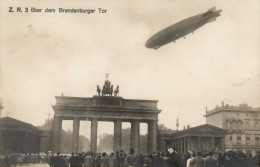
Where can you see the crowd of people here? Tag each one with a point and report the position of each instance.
(22, 159)
(122, 159)
(157, 159)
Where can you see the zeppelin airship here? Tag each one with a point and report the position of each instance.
(181, 29)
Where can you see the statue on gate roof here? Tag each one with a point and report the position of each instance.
(116, 93)
(107, 88)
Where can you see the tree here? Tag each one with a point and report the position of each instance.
(106, 142)
(66, 142)
(162, 127)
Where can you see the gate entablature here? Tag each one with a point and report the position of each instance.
(107, 101)
(106, 108)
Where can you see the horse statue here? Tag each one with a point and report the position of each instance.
(111, 91)
(98, 90)
(116, 91)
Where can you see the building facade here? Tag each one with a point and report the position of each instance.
(242, 124)
(203, 138)
(18, 137)
(21, 137)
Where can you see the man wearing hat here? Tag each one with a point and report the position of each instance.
(173, 158)
(131, 159)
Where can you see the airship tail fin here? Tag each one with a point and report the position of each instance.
(212, 19)
(211, 10)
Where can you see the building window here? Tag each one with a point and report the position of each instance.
(218, 142)
(229, 140)
(234, 125)
(239, 125)
(256, 127)
(228, 125)
(247, 126)
(257, 141)
(247, 141)
(238, 140)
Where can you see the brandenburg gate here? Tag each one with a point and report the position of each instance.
(106, 107)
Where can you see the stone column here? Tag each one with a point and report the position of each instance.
(93, 137)
(1, 142)
(135, 135)
(149, 138)
(188, 143)
(199, 143)
(132, 135)
(117, 135)
(185, 145)
(179, 145)
(75, 139)
(152, 136)
(222, 144)
(212, 143)
(181, 149)
(163, 146)
(57, 125)
(26, 142)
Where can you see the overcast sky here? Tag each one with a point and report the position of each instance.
(45, 54)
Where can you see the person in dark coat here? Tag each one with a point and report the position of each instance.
(97, 160)
(210, 161)
(51, 160)
(89, 162)
(198, 161)
(75, 160)
(222, 161)
(256, 160)
(104, 160)
(234, 161)
(157, 160)
(173, 159)
(58, 161)
(117, 160)
(165, 159)
(131, 159)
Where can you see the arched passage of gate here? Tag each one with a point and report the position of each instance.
(106, 108)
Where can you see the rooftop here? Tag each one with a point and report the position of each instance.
(11, 123)
(227, 107)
